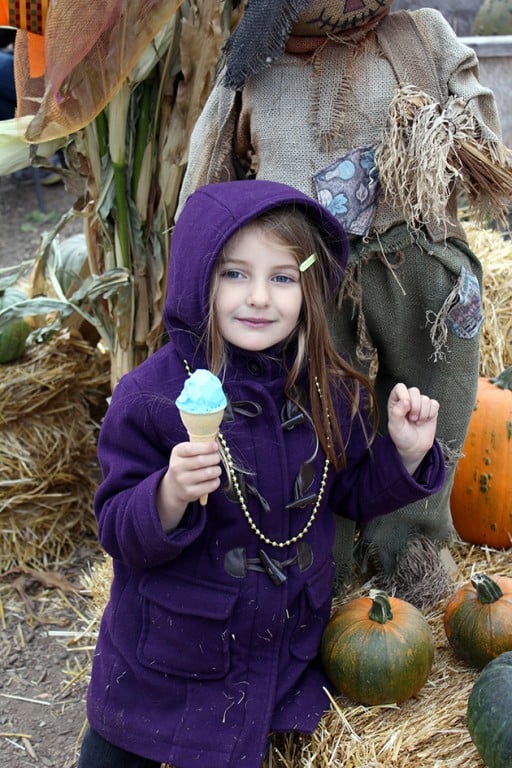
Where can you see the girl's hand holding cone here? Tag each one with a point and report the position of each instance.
(202, 428)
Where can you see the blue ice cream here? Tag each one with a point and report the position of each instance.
(202, 393)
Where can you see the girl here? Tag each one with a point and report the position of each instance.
(211, 636)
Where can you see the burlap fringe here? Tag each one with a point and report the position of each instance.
(427, 148)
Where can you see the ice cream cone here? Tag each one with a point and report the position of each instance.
(202, 427)
(201, 404)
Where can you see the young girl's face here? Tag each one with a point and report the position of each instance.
(259, 295)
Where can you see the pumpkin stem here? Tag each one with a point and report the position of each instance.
(487, 590)
(381, 609)
(504, 379)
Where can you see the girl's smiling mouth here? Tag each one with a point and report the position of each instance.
(255, 322)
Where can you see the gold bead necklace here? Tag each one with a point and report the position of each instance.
(243, 504)
(247, 514)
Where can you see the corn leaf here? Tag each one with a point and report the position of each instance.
(15, 152)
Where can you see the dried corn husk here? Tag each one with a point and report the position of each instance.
(15, 153)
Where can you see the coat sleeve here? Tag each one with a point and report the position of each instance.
(375, 481)
(133, 460)
(443, 130)
(458, 70)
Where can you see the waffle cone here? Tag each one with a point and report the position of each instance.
(202, 427)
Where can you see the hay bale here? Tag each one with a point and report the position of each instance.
(50, 401)
(494, 249)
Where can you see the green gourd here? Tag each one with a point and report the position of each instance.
(493, 18)
(489, 712)
(13, 337)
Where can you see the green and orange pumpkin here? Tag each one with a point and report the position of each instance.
(377, 649)
(13, 336)
(478, 619)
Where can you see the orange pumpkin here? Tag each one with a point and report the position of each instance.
(481, 498)
(478, 619)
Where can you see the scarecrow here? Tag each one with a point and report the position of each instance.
(382, 117)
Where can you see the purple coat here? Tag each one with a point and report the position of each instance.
(200, 653)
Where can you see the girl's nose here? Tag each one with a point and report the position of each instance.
(258, 294)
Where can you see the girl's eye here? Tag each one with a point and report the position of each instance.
(283, 279)
(232, 274)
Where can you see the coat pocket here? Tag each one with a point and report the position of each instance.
(185, 626)
(313, 614)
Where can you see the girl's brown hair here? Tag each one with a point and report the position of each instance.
(328, 372)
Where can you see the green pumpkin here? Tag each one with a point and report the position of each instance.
(489, 712)
(493, 18)
(377, 650)
(14, 336)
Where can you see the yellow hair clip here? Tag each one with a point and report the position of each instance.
(307, 262)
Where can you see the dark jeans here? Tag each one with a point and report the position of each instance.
(96, 752)
(7, 87)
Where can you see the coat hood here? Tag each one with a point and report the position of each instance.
(210, 216)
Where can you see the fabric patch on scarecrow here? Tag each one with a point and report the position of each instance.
(349, 189)
(466, 316)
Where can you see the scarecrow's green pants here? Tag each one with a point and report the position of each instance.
(417, 304)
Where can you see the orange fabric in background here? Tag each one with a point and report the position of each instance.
(36, 56)
(4, 13)
(28, 16)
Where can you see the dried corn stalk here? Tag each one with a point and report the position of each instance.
(137, 152)
(126, 93)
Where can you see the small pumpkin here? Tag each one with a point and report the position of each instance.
(489, 712)
(481, 498)
(478, 619)
(377, 649)
(494, 17)
(13, 336)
